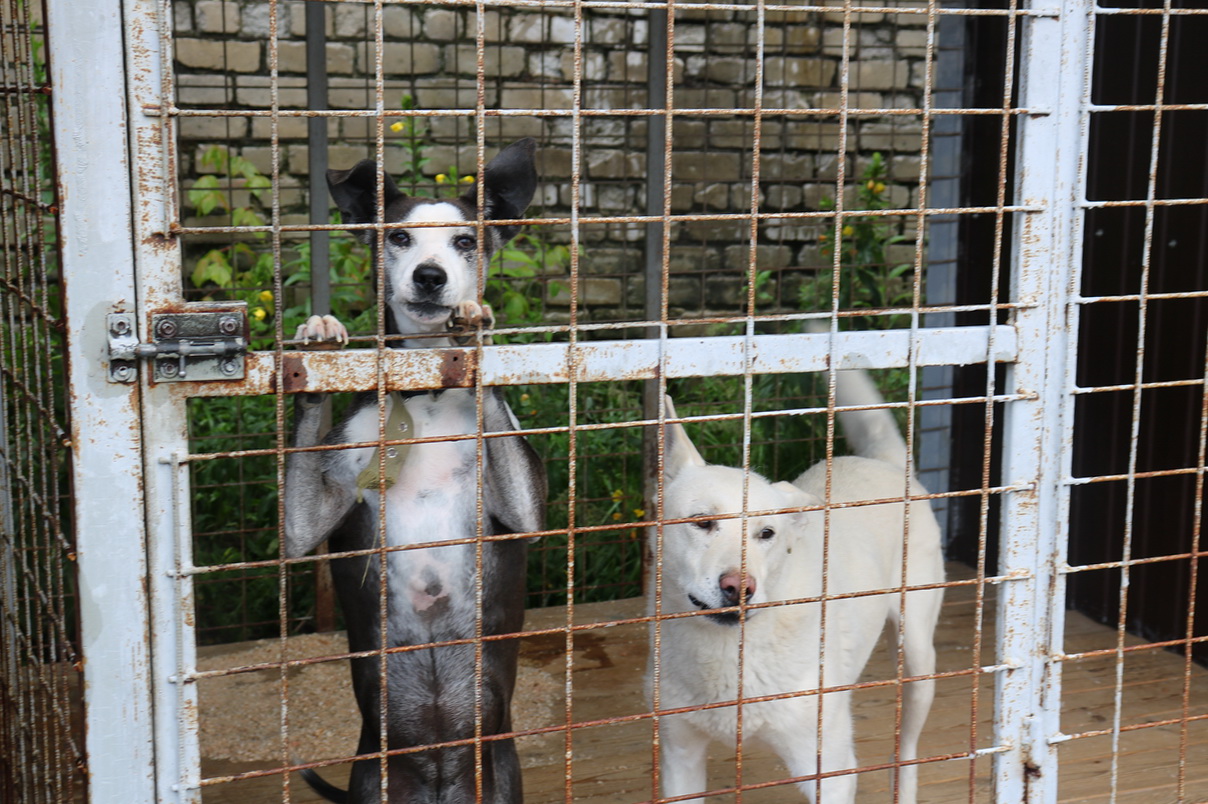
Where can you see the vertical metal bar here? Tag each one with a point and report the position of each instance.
(656, 136)
(150, 94)
(935, 422)
(316, 100)
(1038, 431)
(96, 247)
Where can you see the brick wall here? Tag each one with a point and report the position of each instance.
(223, 63)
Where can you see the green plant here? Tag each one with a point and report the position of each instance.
(866, 279)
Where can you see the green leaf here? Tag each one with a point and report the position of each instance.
(212, 267)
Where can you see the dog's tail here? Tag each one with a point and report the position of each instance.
(870, 433)
(324, 788)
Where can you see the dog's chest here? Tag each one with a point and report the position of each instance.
(702, 666)
(433, 498)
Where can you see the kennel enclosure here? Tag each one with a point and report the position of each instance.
(674, 135)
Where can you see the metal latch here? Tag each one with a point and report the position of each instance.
(195, 346)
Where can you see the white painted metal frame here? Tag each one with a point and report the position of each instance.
(1038, 432)
(90, 130)
(140, 647)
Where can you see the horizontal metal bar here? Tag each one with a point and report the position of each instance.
(653, 111)
(600, 361)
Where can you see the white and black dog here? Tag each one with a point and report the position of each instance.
(706, 568)
(431, 496)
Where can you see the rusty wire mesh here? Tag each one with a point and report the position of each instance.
(793, 154)
(40, 739)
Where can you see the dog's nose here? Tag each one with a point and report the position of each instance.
(429, 277)
(731, 583)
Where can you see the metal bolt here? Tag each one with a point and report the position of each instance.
(402, 426)
(166, 328)
(121, 371)
(229, 366)
(169, 369)
(121, 327)
(391, 452)
(228, 325)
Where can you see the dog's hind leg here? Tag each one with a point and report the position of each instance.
(922, 611)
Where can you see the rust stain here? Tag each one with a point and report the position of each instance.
(160, 242)
(458, 368)
(293, 374)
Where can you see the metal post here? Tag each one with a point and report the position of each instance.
(316, 100)
(320, 244)
(150, 91)
(943, 253)
(96, 245)
(1038, 431)
(656, 141)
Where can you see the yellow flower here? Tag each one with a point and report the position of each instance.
(524, 397)
(397, 127)
(266, 296)
(639, 513)
(467, 179)
(616, 517)
(259, 314)
(822, 238)
(871, 185)
(879, 188)
(441, 178)
(617, 495)
(848, 231)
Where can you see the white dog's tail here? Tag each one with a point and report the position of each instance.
(870, 433)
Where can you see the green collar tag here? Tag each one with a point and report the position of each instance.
(399, 424)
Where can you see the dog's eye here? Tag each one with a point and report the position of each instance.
(464, 242)
(704, 524)
(399, 237)
(766, 534)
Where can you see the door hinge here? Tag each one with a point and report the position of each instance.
(184, 347)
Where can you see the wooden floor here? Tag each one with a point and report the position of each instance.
(611, 762)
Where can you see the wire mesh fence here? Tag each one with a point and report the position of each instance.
(734, 201)
(40, 738)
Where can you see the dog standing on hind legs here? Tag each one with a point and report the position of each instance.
(431, 496)
(783, 647)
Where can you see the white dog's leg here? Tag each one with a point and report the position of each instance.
(800, 753)
(922, 610)
(682, 753)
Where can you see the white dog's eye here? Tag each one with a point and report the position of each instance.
(399, 237)
(464, 243)
(704, 524)
(766, 534)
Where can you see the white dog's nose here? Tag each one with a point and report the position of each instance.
(730, 584)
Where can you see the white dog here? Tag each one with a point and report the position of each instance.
(783, 646)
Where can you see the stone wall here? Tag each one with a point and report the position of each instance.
(223, 62)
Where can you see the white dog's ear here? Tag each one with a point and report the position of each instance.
(680, 452)
(796, 497)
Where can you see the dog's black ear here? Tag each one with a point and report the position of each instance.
(355, 193)
(508, 184)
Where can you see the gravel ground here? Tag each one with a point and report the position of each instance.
(241, 713)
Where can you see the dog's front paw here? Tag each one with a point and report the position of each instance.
(322, 332)
(468, 316)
